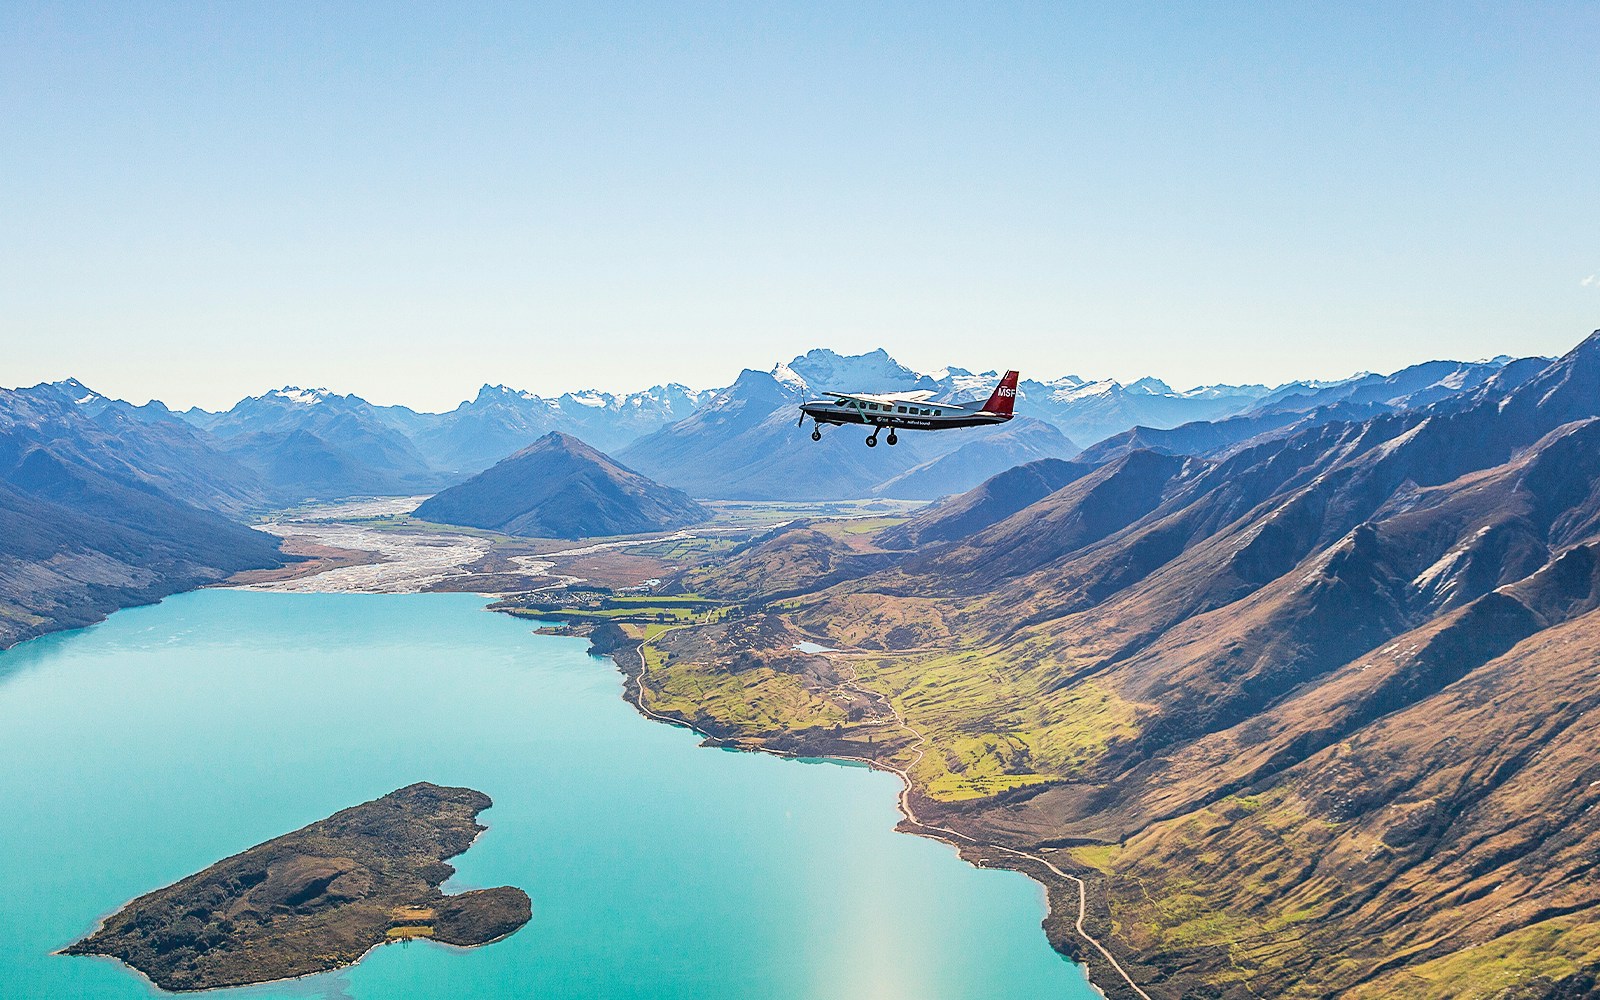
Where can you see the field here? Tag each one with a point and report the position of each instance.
(758, 513)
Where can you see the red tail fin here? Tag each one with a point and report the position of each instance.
(1005, 394)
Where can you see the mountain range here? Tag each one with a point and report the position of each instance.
(293, 444)
(1312, 708)
(743, 443)
(164, 492)
(1294, 408)
(100, 509)
(316, 444)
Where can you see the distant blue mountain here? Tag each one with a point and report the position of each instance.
(1290, 409)
(743, 442)
(103, 505)
(559, 487)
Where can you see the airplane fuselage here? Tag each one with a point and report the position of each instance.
(908, 416)
(912, 411)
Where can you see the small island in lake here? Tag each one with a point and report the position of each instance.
(316, 899)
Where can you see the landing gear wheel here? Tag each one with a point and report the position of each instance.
(872, 442)
(893, 439)
(816, 434)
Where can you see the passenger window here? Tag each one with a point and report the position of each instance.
(899, 409)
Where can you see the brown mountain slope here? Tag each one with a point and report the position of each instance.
(1466, 819)
(1326, 702)
(992, 501)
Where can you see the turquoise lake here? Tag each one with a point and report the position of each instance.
(146, 748)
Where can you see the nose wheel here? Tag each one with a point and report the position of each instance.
(816, 433)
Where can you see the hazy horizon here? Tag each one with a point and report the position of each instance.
(703, 385)
(201, 202)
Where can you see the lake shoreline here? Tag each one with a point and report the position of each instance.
(712, 839)
(1067, 907)
(1062, 896)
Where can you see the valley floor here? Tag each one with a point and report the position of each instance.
(379, 559)
(375, 546)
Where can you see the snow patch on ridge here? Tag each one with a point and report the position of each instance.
(789, 377)
(305, 397)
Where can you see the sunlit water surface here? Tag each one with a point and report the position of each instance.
(144, 749)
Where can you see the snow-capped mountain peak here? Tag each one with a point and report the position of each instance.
(1222, 390)
(1064, 382)
(1067, 392)
(489, 392)
(304, 397)
(788, 377)
(79, 393)
(1149, 386)
(829, 371)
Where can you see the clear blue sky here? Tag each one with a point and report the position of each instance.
(203, 201)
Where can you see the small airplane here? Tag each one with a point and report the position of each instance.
(907, 411)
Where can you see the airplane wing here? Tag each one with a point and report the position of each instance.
(885, 397)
